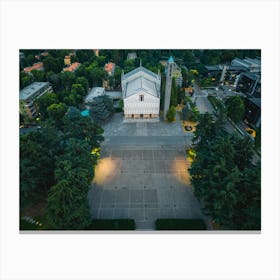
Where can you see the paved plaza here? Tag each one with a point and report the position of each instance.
(143, 177)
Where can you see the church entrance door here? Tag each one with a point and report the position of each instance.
(141, 116)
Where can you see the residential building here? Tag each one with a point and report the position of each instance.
(95, 92)
(251, 65)
(249, 84)
(141, 94)
(28, 95)
(253, 111)
(132, 55)
(110, 68)
(73, 67)
(35, 66)
(67, 60)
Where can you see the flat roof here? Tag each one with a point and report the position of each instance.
(96, 91)
(114, 94)
(28, 91)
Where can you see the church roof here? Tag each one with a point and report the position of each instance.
(140, 68)
(141, 84)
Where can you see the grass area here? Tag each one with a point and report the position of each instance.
(180, 224)
(118, 224)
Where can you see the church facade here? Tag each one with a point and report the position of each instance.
(141, 94)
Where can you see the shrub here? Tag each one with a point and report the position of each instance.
(117, 224)
(170, 115)
(180, 224)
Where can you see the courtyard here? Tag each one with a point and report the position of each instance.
(142, 174)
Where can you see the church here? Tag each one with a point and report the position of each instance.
(141, 95)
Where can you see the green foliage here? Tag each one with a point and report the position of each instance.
(36, 168)
(235, 108)
(56, 112)
(101, 108)
(67, 78)
(25, 79)
(38, 76)
(117, 224)
(221, 169)
(170, 115)
(44, 102)
(67, 207)
(57, 166)
(84, 82)
(180, 224)
(52, 64)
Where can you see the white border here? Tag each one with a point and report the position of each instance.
(157, 24)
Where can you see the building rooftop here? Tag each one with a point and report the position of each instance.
(35, 66)
(109, 67)
(141, 83)
(28, 91)
(96, 91)
(170, 59)
(73, 67)
(256, 101)
(138, 69)
(114, 94)
(132, 55)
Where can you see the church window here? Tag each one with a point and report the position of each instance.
(141, 97)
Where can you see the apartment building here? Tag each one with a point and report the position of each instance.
(28, 95)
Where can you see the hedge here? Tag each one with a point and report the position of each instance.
(117, 224)
(180, 224)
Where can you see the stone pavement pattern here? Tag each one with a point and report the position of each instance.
(143, 185)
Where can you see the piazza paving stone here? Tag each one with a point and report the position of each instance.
(147, 182)
(150, 196)
(106, 213)
(136, 196)
(109, 196)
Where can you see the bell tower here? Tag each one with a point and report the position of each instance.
(168, 84)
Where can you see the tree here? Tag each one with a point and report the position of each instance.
(44, 102)
(79, 127)
(248, 209)
(170, 115)
(78, 89)
(52, 64)
(38, 76)
(67, 207)
(101, 108)
(224, 178)
(56, 112)
(67, 79)
(36, 169)
(25, 80)
(235, 108)
(85, 55)
(84, 82)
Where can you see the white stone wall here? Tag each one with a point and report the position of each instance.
(133, 105)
